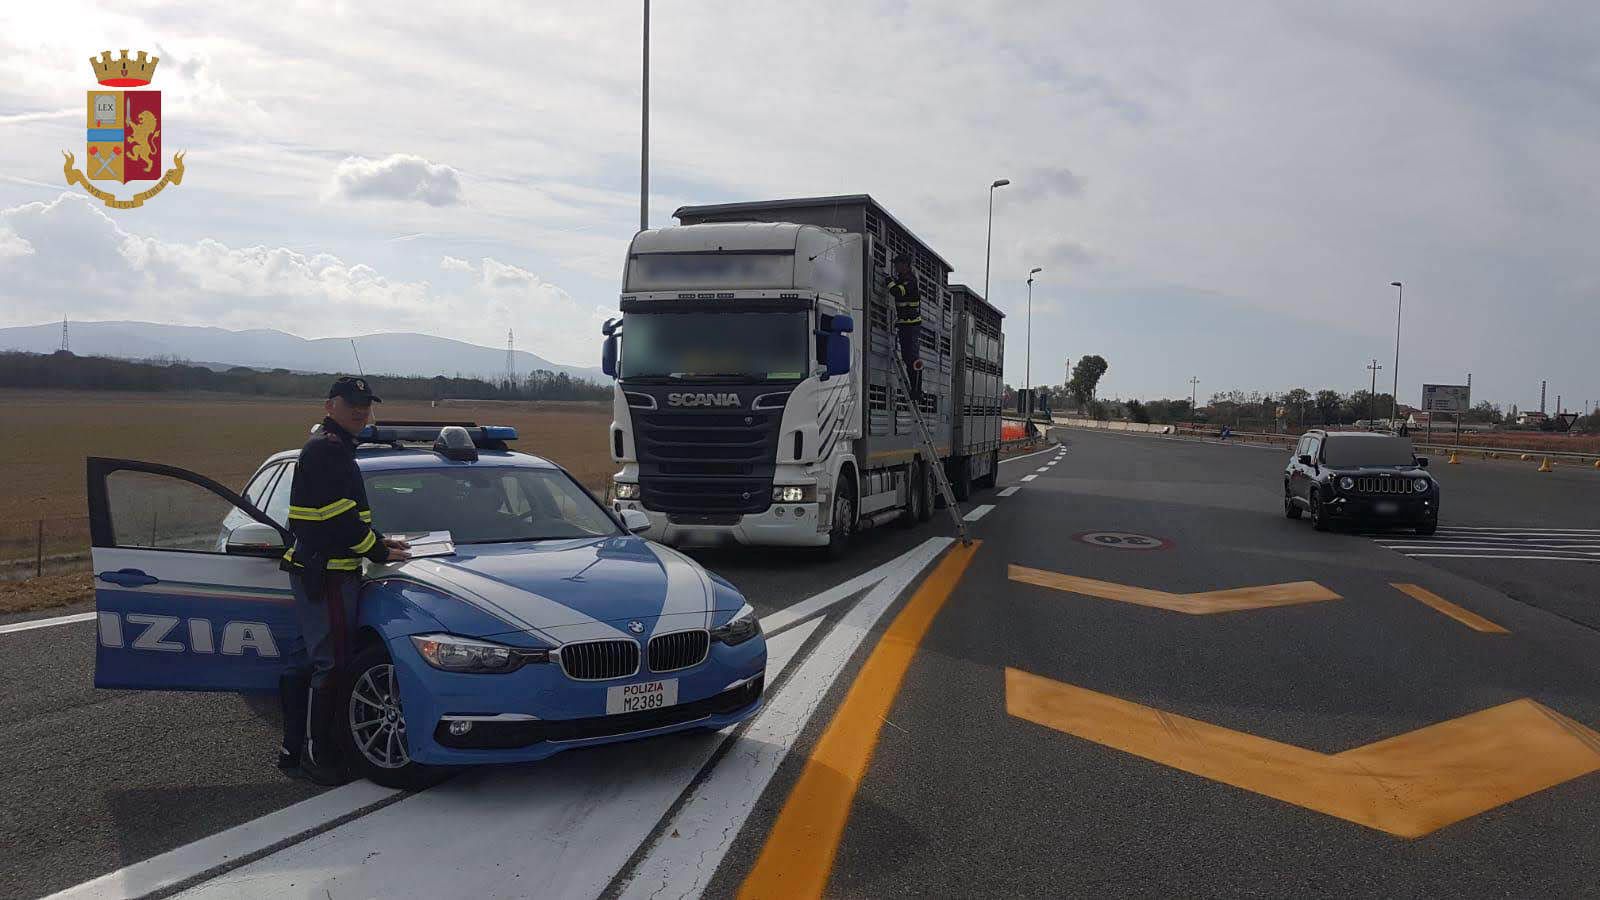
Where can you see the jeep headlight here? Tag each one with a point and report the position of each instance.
(742, 627)
(626, 490)
(452, 653)
(795, 493)
(1347, 483)
(1420, 485)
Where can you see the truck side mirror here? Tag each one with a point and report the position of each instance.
(844, 324)
(838, 355)
(608, 356)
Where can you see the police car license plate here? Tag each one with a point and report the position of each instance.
(1386, 507)
(646, 695)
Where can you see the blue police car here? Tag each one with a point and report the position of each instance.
(551, 626)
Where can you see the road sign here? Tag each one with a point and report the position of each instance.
(1451, 398)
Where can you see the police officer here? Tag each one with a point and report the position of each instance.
(333, 531)
(908, 319)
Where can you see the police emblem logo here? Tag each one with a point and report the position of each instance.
(124, 132)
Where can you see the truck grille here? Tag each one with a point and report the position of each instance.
(596, 660)
(1371, 485)
(679, 650)
(707, 462)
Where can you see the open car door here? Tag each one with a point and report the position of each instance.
(187, 587)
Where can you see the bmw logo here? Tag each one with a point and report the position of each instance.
(636, 626)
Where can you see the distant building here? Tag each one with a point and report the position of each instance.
(1532, 418)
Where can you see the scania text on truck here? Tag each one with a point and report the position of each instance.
(756, 400)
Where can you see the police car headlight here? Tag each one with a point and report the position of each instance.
(458, 654)
(742, 627)
(626, 490)
(795, 493)
(1420, 485)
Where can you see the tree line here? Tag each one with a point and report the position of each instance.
(65, 370)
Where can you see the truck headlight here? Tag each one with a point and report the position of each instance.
(452, 653)
(795, 493)
(626, 490)
(742, 627)
(1420, 485)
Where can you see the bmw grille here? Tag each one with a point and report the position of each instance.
(678, 650)
(596, 660)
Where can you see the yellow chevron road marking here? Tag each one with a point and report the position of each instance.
(1290, 593)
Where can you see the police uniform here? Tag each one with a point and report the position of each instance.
(908, 320)
(333, 531)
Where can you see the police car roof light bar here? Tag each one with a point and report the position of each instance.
(486, 437)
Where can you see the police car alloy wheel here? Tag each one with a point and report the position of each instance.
(377, 723)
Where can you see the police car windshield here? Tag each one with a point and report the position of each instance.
(486, 505)
(759, 346)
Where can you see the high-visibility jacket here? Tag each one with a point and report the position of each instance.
(907, 300)
(328, 510)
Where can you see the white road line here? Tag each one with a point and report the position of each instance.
(1509, 548)
(1028, 477)
(561, 828)
(159, 872)
(690, 847)
(1042, 469)
(978, 512)
(809, 607)
(31, 624)
(1476, 556)
(1009, 491)
(1026, 456)
(1530, 528)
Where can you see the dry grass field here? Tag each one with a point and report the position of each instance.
(45, 435)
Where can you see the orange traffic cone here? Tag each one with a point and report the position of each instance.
(1545, 466)
(1597, 464)
(1453, 460)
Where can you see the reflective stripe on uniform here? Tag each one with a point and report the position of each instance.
(321, 514)
(365, 516)
(366, 543)
(344, 564)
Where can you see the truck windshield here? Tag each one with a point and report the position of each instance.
(767, 346)
(1368, 451)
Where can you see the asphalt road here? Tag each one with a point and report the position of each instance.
(965, 797)
(1269, 750)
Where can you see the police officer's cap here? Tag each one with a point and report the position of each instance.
(355, 390)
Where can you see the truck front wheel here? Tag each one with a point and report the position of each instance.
(844, 518)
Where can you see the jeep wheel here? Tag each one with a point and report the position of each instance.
(374, 726)
(1319, 516)
(1291, 509)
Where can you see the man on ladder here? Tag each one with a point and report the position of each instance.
(908, 310)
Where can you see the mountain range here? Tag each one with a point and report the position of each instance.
(385, 354)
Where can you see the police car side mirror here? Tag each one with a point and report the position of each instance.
(635, 521)
(255, 539)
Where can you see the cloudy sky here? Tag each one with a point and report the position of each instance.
(1219, 190)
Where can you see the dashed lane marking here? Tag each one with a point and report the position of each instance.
(978, 512)
(1028, 477)
(1042, 469)
(1408, 785)
(1466, 617)
(1009, 491)
(799, 851)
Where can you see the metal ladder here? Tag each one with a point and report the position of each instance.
(930, 453)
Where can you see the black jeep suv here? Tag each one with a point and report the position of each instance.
(1353, 476)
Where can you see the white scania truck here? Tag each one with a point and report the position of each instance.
(756, 401)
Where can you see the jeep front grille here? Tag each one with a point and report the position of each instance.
(1371, 485)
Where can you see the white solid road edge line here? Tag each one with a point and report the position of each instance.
(222, 848)
(978, 512)
(1009, 491)
(31, 624)
(809, 607)
(689, 847)
(1027, 455)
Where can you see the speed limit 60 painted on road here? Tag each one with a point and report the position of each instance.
(1122, 540)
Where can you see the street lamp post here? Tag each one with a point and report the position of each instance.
(644, 131)
(1372, 395)
(1194, 386)
(989, 240)
(1027, 376)
(1394, 406)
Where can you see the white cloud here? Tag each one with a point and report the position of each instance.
(399, 176)
(110, 273)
